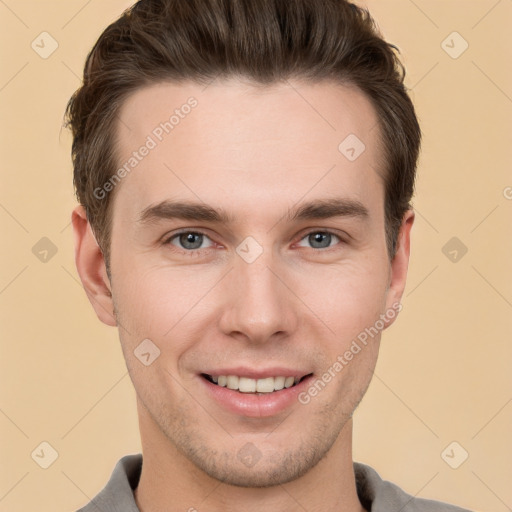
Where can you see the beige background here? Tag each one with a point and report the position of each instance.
(444, 369)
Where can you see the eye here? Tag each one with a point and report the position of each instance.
(320, 239)
(189, 240)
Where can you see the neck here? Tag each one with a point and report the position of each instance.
(169, 481)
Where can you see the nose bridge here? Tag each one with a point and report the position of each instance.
(259, 304)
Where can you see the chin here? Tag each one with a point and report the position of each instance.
(267, 472)
(262, 464)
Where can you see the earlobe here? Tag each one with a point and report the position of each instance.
(399, 266)
(91, 268)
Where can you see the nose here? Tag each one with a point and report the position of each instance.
(259, 305)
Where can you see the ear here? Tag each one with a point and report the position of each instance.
(398, 268)
(91, 268)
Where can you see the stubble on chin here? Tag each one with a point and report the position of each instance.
(276, 465)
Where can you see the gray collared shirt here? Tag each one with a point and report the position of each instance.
(374, 493)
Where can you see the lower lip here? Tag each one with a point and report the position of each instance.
(255, 405)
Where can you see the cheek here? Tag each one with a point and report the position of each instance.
(347, 298)
(157, 302)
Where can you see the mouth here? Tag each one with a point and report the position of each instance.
(247, 385)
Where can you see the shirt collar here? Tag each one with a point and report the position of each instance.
(374, 493)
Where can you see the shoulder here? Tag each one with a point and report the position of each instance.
(382, 496)
(117, 495)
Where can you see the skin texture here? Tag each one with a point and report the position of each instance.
(255, 153)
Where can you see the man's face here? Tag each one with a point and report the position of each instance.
(260, 293)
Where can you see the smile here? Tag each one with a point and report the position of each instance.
(255, 393)
(248, 385)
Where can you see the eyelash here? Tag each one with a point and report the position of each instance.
(191, 252)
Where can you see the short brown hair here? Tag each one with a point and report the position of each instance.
(265, 41)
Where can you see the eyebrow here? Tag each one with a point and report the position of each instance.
(311, 210)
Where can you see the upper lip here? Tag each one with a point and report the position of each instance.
(252, 373)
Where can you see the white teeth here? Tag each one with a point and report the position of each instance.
(265, 385)
(247, 385)
(279, 383)
(232, 382)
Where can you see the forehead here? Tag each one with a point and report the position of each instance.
(260, 145)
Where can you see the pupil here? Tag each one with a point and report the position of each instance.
(319, 238)
(187, 240)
